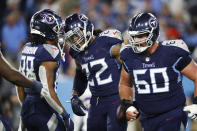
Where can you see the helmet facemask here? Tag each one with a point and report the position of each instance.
(61, 42)
(78, 31)
(138, 46)
(77, 38)
(58, 29)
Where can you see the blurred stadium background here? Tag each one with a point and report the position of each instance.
(178, 19)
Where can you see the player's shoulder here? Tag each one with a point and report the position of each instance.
(47, 52)
(113, 33)
(52, 50)
(125, 51)
(29, 49)
(179, 43)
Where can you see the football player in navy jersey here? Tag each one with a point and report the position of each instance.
(96, 65)
(15, 77)
(40, 60)
(154, 70)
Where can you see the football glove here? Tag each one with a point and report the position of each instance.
(133, 110)
(121, 111)
(77, 105)
(68, 123)
(192, 110)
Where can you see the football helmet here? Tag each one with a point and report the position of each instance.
(78, 30)
(46, 23)
(143, 24)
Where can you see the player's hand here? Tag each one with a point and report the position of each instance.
(77, 106)
(68, 122)
(131, 113)
(122, 109)
(37, 86)
(192, 111)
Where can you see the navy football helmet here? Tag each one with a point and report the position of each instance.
(46, 23)
(78, 31)
(143, 24)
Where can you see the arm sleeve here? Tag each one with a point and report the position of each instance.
(182, 54)
(183, 62)
(80, 82)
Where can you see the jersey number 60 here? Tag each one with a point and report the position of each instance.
(147, 86)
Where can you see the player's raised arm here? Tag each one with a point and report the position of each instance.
(15, 77)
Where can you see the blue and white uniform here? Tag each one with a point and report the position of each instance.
(157, 80)
(103, 74)
(36, 113)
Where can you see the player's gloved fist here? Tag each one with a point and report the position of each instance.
(132, 113)
(121, 111)
(77, 105)
(192, 110)
(37, 86)
(68, 122)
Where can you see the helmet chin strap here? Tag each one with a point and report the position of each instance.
(61, 42)
(84, 46)
(87, 43)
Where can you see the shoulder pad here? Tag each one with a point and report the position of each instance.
(112, 33)
(177, 43)
(52, 50)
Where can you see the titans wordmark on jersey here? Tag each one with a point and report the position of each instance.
(102, 70)
(33, 55)
(157, 78)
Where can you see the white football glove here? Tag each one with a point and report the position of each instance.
(192, 111)
(131, 109)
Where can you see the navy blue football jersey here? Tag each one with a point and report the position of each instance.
(31, 58)
(157, 78)
(102, 69)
